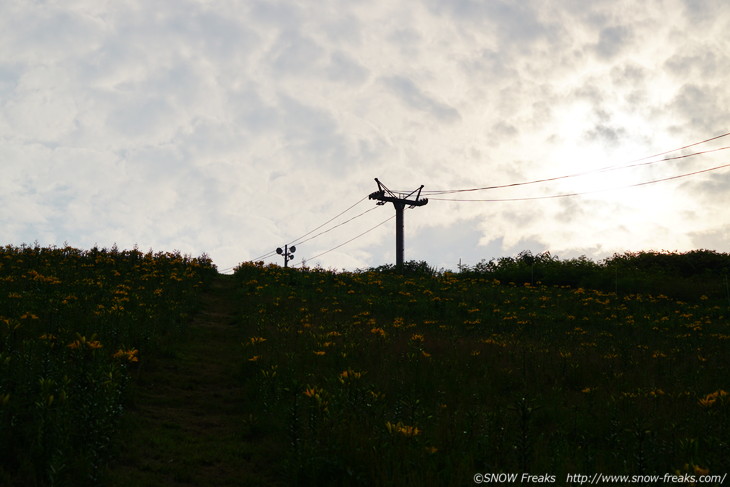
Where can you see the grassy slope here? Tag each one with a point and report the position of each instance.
(191, 422)
(185, 425)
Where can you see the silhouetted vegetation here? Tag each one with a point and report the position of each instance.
(687, 275)
(409, 268)
(416, 377)
(74, 327)
(385, 376)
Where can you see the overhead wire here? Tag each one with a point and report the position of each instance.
(263, 257)
(346, 242)
(629, 164)
(565, 195)
(585, 173)
(299, 239)
(338, 225)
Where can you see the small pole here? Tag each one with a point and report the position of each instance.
(287, 253)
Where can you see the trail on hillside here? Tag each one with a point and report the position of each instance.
(186, 425)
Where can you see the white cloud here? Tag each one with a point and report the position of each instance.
(233, 127)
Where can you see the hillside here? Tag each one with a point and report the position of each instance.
(173, 375)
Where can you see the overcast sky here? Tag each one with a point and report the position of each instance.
(233, 127)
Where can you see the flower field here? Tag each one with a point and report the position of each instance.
(363, 378)
(74, 327)
(376, 378)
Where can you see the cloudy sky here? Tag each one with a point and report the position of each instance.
(231, 127)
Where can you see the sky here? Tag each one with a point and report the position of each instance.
(231, 128)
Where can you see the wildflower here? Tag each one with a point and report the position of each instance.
(425, 354)
(417, 338)
(712, 398)
(82, 342)
(377, 331)
(402, 429)
(377, 395)
(349, 374)
(319, 352)
(255, 340)
(492, 341)
(311, 392)
(254, 358)
(318, 395)
(129, 355)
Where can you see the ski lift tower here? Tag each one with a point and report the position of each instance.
(400, 201)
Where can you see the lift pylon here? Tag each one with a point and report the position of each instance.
(400, 201)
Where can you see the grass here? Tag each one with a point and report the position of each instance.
(380, 379)
(184, 425)
(307, 377)
(74, 326)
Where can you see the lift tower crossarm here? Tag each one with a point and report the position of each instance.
(383, 195)
(391, 197)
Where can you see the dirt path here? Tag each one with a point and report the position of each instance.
(186, 426)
